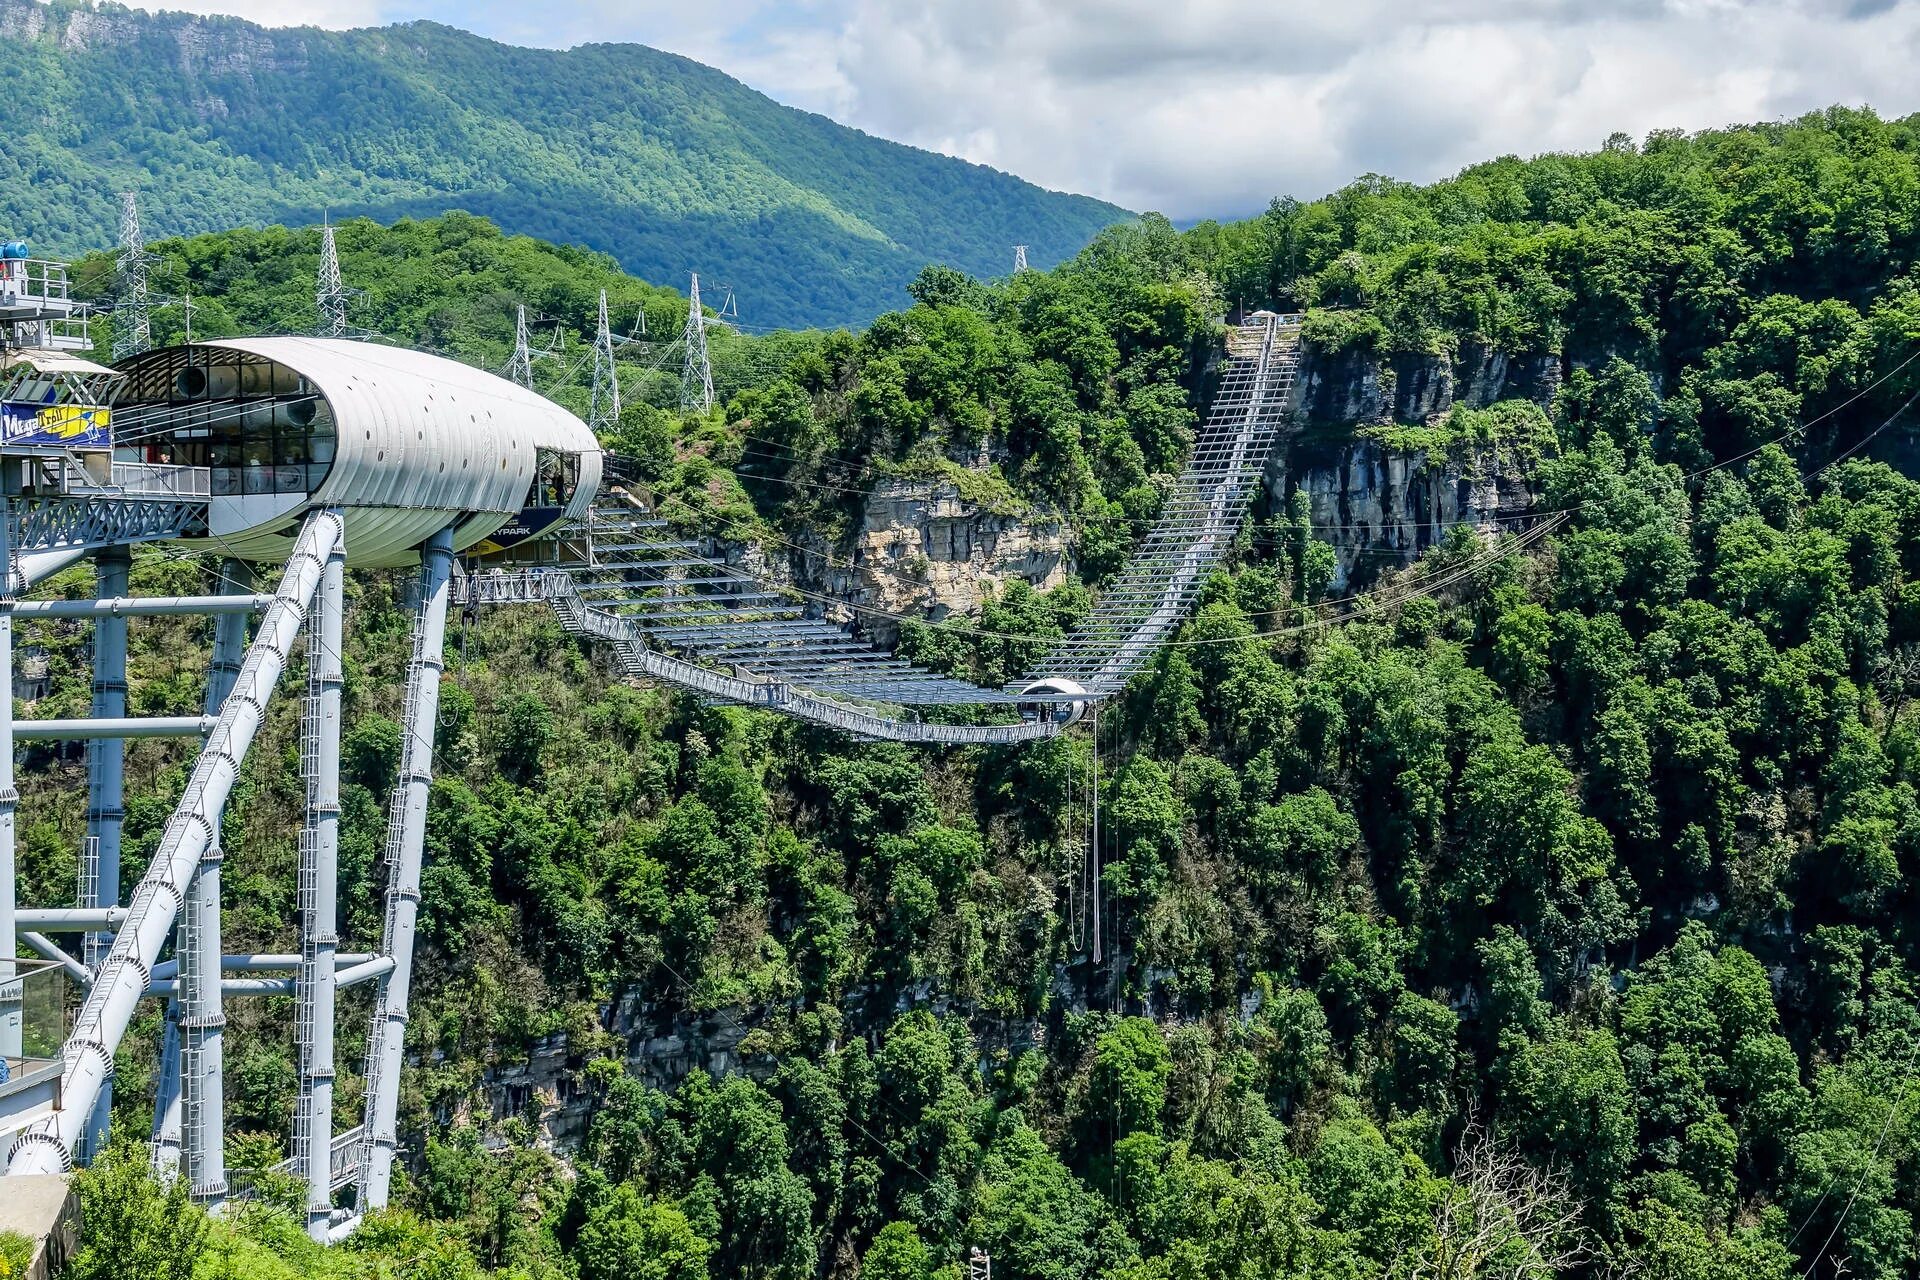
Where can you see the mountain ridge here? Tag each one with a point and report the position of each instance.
(668, 164)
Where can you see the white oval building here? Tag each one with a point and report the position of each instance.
(403, 442)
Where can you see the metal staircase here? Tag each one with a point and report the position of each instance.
(1201, 513)
(674, 613)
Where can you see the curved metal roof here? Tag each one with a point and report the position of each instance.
(422, 440)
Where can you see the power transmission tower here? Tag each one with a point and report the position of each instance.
(520, 367)
(979, 1265)
(605, 410)
(331, 295)
(696, 374)
(1019, 258)
(134, 332)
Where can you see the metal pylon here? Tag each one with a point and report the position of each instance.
(406, 835)
(106, 770)
(605, 410)
(520, 367)
(133, 330)
(330, 295)
(696, 372)
(319, 890)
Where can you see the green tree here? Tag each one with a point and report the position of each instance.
(632, 1237)
(134, 1225)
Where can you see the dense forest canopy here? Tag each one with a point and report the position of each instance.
(668, 165)
(1557, 920)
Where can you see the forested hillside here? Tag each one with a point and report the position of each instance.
(448, 284)
(667, 165)
(1548, 910)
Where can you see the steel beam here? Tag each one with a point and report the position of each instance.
(48, 949)
(141, 607)
(230, 987)
(262, 963)
(112, 729)
(47, 1146)
(319, 890)
(106, 784)
(11, 1027)
(406, 834)
(68, 919)
(190, 1103)
(366, 971)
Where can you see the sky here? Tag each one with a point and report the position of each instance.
(1204, 108)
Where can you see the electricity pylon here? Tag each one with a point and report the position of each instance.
(604, 412)
(134, 331)
(520, 367)
(696, 373)
(331, 295)
(1019, 258)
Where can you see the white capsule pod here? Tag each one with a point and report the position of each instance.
(403, 442)
(1061, 713)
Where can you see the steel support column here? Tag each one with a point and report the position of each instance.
(101, 1023)
(10, 994)
(106, 789)
(406, 832)
(319, 889)
(190, 1105)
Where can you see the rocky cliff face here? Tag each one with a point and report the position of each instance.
(1381, 508)
(924, 549)
(1356, 387)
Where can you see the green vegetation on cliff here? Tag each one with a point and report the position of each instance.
(1559, 920)
(1749, 270)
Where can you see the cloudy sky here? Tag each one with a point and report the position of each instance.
(1209, 107)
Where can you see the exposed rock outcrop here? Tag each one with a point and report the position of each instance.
(1355, 387)
(1381, 508)
(924, 549)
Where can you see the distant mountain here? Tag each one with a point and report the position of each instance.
(666, 164)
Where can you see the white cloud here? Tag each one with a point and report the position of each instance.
(1213, 105)
(1199, 107)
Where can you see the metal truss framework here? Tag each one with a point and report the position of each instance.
(178, 898)
(121, 981)
(674, 614)
(52, 532)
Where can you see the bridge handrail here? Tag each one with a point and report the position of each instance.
(628, 641)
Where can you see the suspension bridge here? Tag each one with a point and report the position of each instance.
(298, 458)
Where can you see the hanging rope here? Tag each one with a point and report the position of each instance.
(1093, 844)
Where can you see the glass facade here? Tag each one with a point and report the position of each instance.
(257, 425)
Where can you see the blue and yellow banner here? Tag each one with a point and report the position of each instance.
(58, 426)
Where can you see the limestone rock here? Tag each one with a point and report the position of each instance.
(923, 549)
(1381, 509)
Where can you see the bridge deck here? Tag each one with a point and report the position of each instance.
(696, 621)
